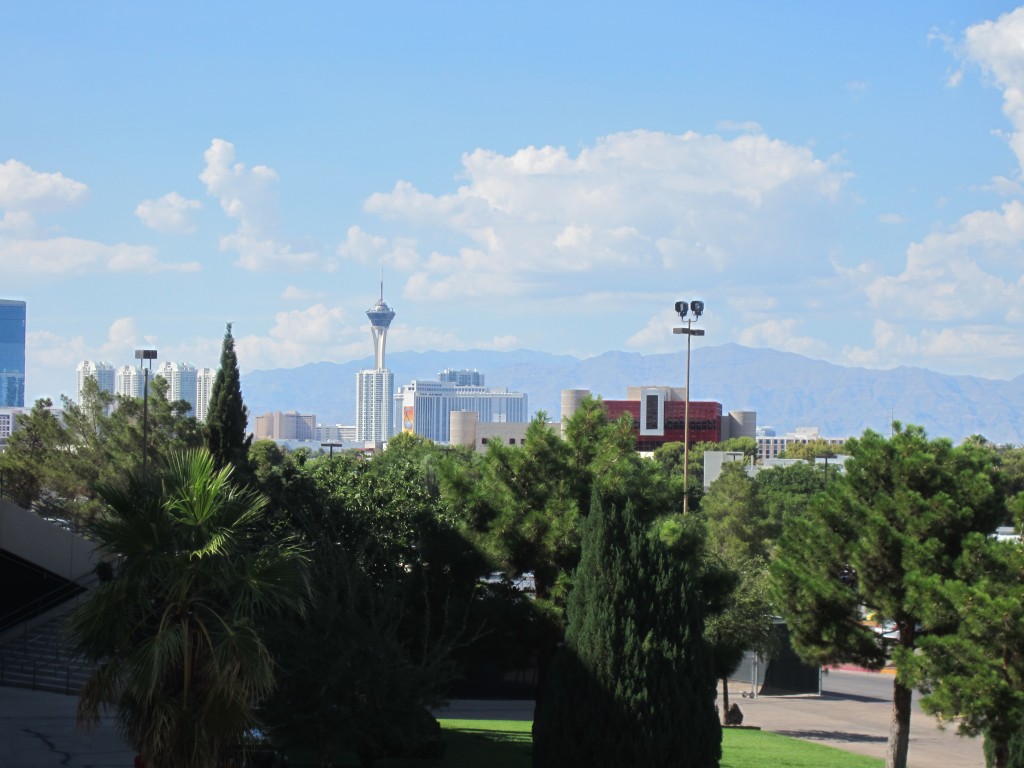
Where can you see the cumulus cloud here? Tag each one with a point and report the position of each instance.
(170, 213)
(248, 195)
(69, 255)
(969, 271)
(23, 189)
(641, 202)
(782, 334)
(995, 47)
(960, 346)
(17, 222)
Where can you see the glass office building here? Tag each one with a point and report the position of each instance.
(12, 354)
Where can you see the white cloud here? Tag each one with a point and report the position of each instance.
(625, 209)
(782, 334)
(317, 324)
(657, 336)
(294, 293)
(263, 253)
(971, 270)
(995, 46)
(23, 189)
(17, 222)
(248, 195)
(961, 347)
(65, 255)
(170, 213)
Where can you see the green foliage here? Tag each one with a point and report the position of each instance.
(812, 449)
(395, 593)
(227, 417)
(634, 684)
(974, 674)
(175, 633)
(737, 524)
(746, 623)
(897, 516)
(54, 464)
(1014, 754)
(787, 491)
(31, 464)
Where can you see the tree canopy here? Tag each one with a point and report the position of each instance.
(898, 514)
(175, 633)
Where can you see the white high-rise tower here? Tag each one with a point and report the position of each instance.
(91, 369)
(374, 387)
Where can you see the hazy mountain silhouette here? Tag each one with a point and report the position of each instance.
(786, 390)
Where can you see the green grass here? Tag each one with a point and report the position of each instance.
(760, 749)
(507, 744)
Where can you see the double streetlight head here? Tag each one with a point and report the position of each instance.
(697, 307)
(683, 308)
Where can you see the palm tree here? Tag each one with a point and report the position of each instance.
(176, 633)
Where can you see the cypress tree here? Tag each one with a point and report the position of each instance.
(227, 418)
(634, 683)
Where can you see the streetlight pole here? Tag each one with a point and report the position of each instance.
(683, 309)
(141, 355)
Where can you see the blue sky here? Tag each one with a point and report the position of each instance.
(837, 180)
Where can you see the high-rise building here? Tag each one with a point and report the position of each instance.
(204, 389)
(12, 353)
(128, 381)
(102, 372)
(425, 407)
(181, 382)
(464, 377)
(374, 387)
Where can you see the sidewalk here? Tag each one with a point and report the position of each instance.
(37, 730)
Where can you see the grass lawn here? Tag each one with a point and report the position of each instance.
(506, 744)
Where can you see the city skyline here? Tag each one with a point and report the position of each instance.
(840, 182)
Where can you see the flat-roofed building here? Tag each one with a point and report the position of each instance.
(424, 407)
(287, 425)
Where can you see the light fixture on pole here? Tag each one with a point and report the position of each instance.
(683, 309)
(141, 355)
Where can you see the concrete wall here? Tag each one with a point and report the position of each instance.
(45, 544)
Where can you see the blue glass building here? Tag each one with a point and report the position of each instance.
(12, 354)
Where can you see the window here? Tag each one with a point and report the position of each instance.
(652, 411)
(511, 441)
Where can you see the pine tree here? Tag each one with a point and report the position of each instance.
(633, 683)
(227, 418)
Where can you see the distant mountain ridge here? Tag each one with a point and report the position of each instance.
(785, 389)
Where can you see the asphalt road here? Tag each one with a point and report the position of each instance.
(853, 713)
(37, 730)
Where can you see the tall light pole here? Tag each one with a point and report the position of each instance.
(683, 309)
(141, 355)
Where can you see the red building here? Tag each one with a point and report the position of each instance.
(659, 416)
(669, 424)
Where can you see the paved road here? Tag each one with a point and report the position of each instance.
(853, 713)
(37, 730)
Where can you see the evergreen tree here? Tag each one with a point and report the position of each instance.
(897, 516)
(634, 682)
(227, 418)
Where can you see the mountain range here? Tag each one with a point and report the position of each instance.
(785, 389)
